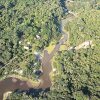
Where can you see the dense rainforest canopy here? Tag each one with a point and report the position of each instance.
(35, 24)
(26, 24)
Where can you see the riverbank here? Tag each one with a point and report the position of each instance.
(17, 82)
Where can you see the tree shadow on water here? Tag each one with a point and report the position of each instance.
(33, 92)
(63, 5)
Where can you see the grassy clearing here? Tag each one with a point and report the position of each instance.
(50, 47)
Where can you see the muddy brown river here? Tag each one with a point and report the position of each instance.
(12, 83)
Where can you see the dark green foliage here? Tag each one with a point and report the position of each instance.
(78, 70)
(22, 21)
(81, 74)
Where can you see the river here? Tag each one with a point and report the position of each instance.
(12, 83)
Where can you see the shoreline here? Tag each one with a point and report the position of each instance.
(45, 81)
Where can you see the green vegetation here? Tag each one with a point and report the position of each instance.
(26, 23)
(85, 27)
(78, 71)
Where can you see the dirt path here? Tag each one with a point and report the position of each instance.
(83, 45)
